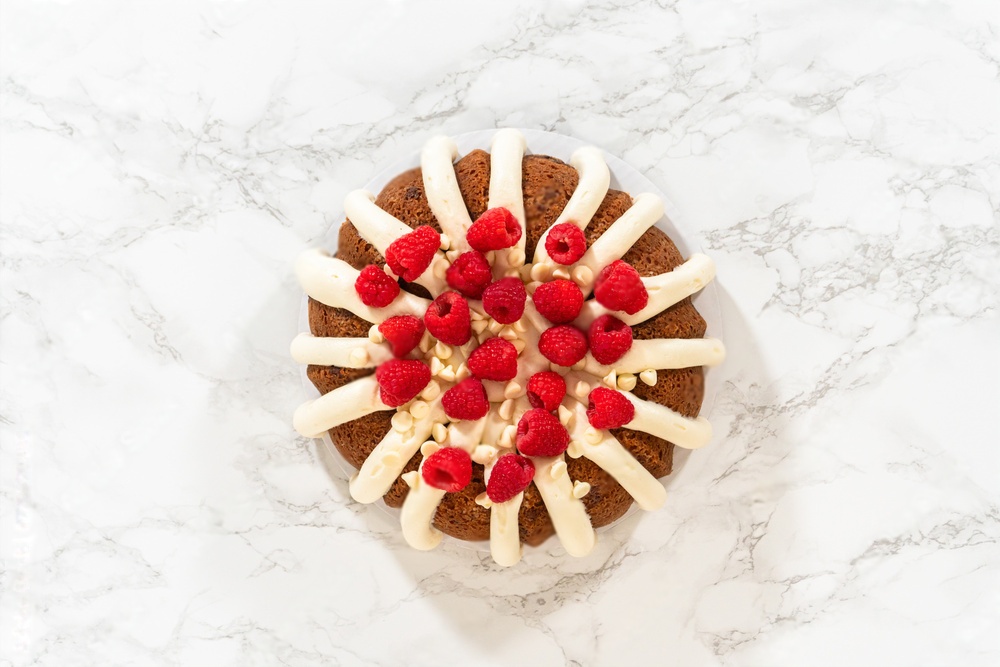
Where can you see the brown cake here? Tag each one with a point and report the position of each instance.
(571, 413)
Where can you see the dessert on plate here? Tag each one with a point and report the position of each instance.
(505, 347)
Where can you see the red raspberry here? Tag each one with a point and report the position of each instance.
(610, 339)
(448, 469)
(565, 243)
(563, 345)
(399, 380)
(504, 300)
(411, 254)
(375, 288)
(608, 408)
(510, 476)
(540, 433)
(466, 400)
(469, 274)
(495, 359)
(546, 390)
(495, 229)
(448, 319)
(559, 301)
(403, 332)
(619, 287)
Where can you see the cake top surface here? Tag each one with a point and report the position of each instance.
(511, 362)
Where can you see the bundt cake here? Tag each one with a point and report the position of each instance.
(505, 347)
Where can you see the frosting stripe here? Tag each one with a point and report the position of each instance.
(506, 155)
(331, 281)
(661, 421)
(351, 401)
(569, 516)
(663, 353)
(505, 540)
(443, 194)
(610, 455)
(620, 236)
(418, 512)
(343, 352)
(390, 456)
(591, 189)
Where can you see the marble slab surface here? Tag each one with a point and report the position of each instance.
(161, 165)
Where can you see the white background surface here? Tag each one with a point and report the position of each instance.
(162, 165)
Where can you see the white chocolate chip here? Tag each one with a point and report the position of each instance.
(525, 273)
(475, 315)
(452, 255)
(483, 500)
(375, 336)
(540, 271)
(442, 350)
(611, 379)
(575, 449)
(565, 415)
(491, 256)
(483, 454)
(431, 391)
(558, 469)
(592, 435)
(429, 448)
(426, 342)
(515, 257)
(580, 365)
(447, 374)
(419, 409)
(508, 333)
(531, 287)
(479, 326)
(506, 410)
(519, 326)
(561, 273)
(519, 345)
(512, 273)
(436, 366)
(582, 275)
(508, 435)
(626, 382)
(462, 372)
(580, 489)
(402, 422)
(648, 376)
(439, 432)
(359, 357)
(512, 390)
(582, 389)
(445, 242)
(495, 326)
(411, 478)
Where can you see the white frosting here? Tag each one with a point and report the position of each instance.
(505, 540)
(466, 434)
(595, 178)
(443, 194)
(661, 421)
(669, 288)
(351, 401)
(391, 455)
(659, 353)
(569, 516)
(609, 454)
(343, 352)
(506, 155)
(331, 281)
(380, 228)
(418, 512)
(620, 236)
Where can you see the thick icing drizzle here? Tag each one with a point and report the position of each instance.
(381, 228)
(346, 403)
(343, 352)
(443, 194)
(506, 155)
(591, 189)
(331, 281)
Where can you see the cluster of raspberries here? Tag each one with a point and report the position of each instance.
(448, 318)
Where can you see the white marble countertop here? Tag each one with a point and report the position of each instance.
(163, 164)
